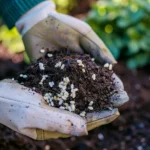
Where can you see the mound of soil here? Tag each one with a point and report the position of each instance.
(70, 81)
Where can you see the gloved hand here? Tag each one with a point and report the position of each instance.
(25, 112)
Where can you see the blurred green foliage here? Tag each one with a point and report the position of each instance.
(11, 39)
(64, 6)
(124, 26)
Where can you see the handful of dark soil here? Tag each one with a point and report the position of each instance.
(71, 82)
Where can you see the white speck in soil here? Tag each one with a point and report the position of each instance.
(58, 64)
(94, 76)
(90, 108)
(79, 61)
(93, 59)
(72, 102)
(100, 136)
(110, 67)
(83, 70)
(42, 51)
(63, 66)
(21, 75)
(24, 76)
(110, 108)
(43, 78)
(106, 65)
(73, 107)
(69, 108)
(91, 103)
(41, 66)
(72, 86)
(66, 80)
(83, 65)
(82, 114)
(52, 104)
(50, 55)
(60, 102)
(51, 84)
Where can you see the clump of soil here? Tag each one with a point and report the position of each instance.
(70, 81)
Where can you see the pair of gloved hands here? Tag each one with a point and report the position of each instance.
(25, 111)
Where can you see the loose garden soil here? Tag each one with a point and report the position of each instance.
(70, 81)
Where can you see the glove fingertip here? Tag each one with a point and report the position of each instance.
(119, 98)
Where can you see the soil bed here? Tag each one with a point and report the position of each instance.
(70, 81)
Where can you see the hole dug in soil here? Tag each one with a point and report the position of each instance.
(71, 82)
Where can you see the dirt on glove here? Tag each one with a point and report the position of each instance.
(70, 81)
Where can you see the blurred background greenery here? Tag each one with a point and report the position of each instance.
(123, 25)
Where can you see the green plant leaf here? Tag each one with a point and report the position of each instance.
(138, 60)
(133, 47)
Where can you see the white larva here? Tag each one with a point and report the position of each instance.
(110, 67)
(61, 102)
(83, 113)
(72, 102)
(62, 67)
(94, 76)
(91, 103)
(51, 84)
(41, 66)
(83, 70)
(50, 55)
(106, 65)
(90, 108)
(42, 51)
(73, 107)
(69, 108)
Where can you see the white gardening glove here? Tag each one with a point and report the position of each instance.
(26, 112)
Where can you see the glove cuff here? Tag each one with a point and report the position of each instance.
(15, 9)
(34, 16)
